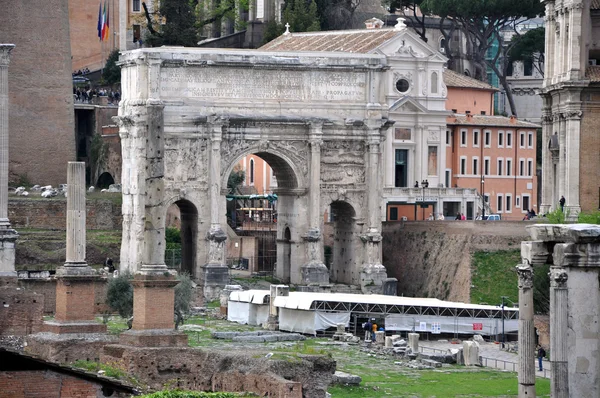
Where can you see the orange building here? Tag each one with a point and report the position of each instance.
(259, 175)
(494, 154)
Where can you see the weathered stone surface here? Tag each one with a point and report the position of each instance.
(346, 379)
(471, 353)
(209, 370)
(413, 341)
(68, 348)
(432, 363)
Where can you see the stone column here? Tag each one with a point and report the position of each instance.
(315, 271)
(8, 236)
(526, 331)
(75, 304)
(215, 272)
(373, 273)
(549, 43)
(558, 333)
(571, 160)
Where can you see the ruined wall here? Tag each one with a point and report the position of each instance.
(425, 256)
(41, 117)
(207, 370)
(20, 312)
(45, 384)
(46, 287)
(52, 213)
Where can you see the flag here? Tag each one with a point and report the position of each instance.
(100, 21)
(106, 21)
(103, 23)
(106, 36)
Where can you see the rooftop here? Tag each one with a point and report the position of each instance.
(453, 79)
(350, 41)
(592, 72)
(492, 121)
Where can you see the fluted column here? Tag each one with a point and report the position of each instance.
(526, 331)
(558, 332)
(76, 216)
(8, 236)
(547, 176)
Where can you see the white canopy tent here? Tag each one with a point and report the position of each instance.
(306, 312)
(249, 307)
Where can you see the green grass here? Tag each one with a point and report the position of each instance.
(455, 382)
(109, 371)
(493, 275)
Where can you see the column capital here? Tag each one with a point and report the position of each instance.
(5, 50)
(558, 277)
(525, 273)
(577, 255)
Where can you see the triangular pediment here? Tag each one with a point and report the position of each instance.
(408, 105)
(407, 44)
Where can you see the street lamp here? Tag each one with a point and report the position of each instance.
(482, 198)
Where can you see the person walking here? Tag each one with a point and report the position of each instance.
(541, 354)
(562, 203)
(373, 335)
(367, 328)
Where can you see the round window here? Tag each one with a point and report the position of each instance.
(402, 85)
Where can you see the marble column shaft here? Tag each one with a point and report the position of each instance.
(526, 331)
(5, 50)
(314, 196)
(76, 214)
(558, 333)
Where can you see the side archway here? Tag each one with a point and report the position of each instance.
(183, 214)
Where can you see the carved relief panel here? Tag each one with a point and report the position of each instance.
(343, 162)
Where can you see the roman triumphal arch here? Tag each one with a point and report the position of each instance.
(188, 115)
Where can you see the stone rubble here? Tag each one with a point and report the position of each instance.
(346, 379)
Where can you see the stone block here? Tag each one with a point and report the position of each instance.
(389, 342)
(380, 337)
(346, 379)
(73, 327)
(471, 353)
(68, 348)
(399, 342)
(390, 287)
(478, 338)
(153, 302)
(432, 363)
(413, 342)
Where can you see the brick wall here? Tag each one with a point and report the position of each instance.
(46, 384)
(589, 158)
(51, 213)
(20, 311)
(47, 288)
(41, 117)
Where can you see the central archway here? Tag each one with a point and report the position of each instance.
(345, 260)
(264, 212)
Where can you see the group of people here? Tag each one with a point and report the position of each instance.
(87, 93)
(438, 216)
(80, 72)
(530, 214)
(370, 328)
(461, 216)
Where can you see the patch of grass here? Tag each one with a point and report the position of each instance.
(213, 304)
(439, 384)
(115, 324)
(493, 275)
(109, 371)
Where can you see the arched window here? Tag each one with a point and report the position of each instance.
(251, 171)
(434, 82)
(442, 45)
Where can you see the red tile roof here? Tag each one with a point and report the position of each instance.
(350, 41)
(491, 121)
(592, 72)
(453, 79)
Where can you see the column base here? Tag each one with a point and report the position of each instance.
(373, 279)
(75, 301)
(272, 323)
(154, 338)
(315, 273)
(8, 237)
(572, 213)
(526, 390)
(66, 327)
(153, 299)
(214, 279)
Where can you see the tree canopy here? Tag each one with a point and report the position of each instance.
(530, 47)
(179, 28)
(483, 22)
(112, 72)
(302, 15)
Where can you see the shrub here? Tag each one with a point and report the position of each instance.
(119, 294)
(183, 297)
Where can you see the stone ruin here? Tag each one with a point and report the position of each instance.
(573, 252)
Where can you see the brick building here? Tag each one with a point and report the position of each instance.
(41, 122)
(493, 154)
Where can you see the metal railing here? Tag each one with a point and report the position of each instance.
(494, 362)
